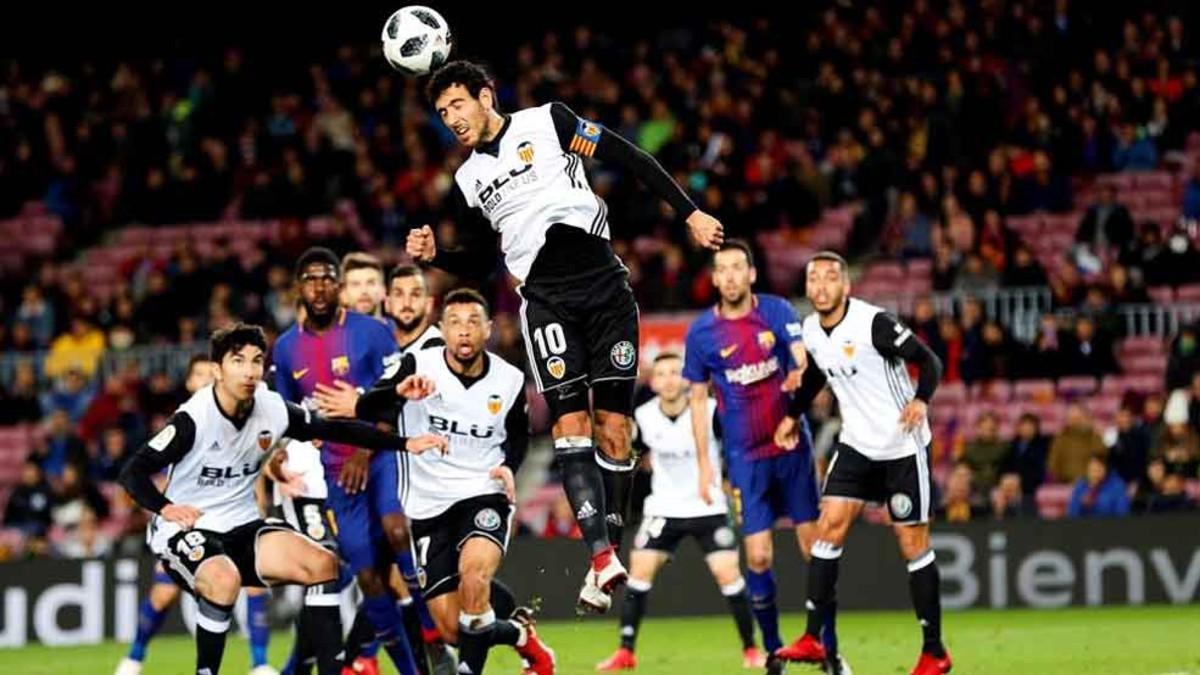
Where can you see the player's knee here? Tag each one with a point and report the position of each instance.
(219, 581)
(759, 561)
(320, 567)
(396, 530)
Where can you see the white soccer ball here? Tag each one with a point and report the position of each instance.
(416, 40)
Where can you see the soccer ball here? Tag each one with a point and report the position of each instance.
(416, 40)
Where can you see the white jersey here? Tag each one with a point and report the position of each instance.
(217, 472)
(472, 418)
(430, 337)
(304, 458)
(872, 386)
(529, 184)
(674, 491)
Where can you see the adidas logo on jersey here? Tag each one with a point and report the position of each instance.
(586, 511)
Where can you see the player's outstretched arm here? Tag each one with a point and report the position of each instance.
(474, 257)
(167, 447)
(305, 426)
(590, 139)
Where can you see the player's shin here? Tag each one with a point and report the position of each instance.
(150, 620)
(923, 584)
(361, 640)
(584, 485)
(618, 482)
(322, 625)
(739, 607)
(822, 586)
(762, 603)
(408, 570)
(637, 593)
(504, 603)
(212, 623)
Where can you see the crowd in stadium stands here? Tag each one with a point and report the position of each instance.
(955, 135)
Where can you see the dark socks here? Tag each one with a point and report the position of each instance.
(923, 583)
(762, 603)
(584, 485)
(822, 589)
(634, 608)
(739, 606)
(212, 623)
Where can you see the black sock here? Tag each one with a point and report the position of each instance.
(474, 639)
(636, 594)
(504, 603)
(505, 633)
(923, 582)
(362, 633)
(822, 585)
(618, 481)
(212, 623)
(303, 653)
(584, 486)
(322, 621)
(410, 621)
(739, 606)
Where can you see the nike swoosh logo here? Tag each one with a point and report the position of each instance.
(297, 374)
(726, 352)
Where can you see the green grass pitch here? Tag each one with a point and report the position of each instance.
(1129, 641)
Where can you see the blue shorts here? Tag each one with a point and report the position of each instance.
(357, 518)
(766, 490)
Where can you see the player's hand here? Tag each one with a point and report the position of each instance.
(790, 383)
(505, 475)
(913, 414)
(420, 244)
(706, 483)
(418, 444)
(416, 387)
(787, 433)
(336, 401)
(291, 483)
(182, 515)
(706, 231)
(353, 478)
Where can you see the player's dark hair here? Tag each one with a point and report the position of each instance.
(317, 254)
(361, 260)
(666, 356)
(467, 296)
(232, 339)
(832, 256)
(403, 271)
(473, 76)
(196, 359)
(738, 245)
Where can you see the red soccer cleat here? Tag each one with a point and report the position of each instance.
(362, 666)
(807, 649)
(753, 657)
(431, 636)
(929, 664)
(622, 659)
(537, 657)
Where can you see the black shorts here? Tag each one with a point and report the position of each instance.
(309, 517)
(902, 484)
(712, 533)
(187, 551)
(437, 540)
(582, 335)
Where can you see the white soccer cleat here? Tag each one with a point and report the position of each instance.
(591, 597)
(264, 670)
(611, 575)
(128, 666)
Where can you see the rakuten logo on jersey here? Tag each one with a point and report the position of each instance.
(749, 373)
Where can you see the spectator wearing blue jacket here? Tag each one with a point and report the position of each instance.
(1098, 493)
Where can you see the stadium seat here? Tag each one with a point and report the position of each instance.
(1077, 386)
(950, 394)
(1034, 390)
(1160, 180)
(1189, 293)
(1052, 500)
(1161, 295)
(992, 390)
(1142, 364)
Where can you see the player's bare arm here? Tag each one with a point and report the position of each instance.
(698, 404)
